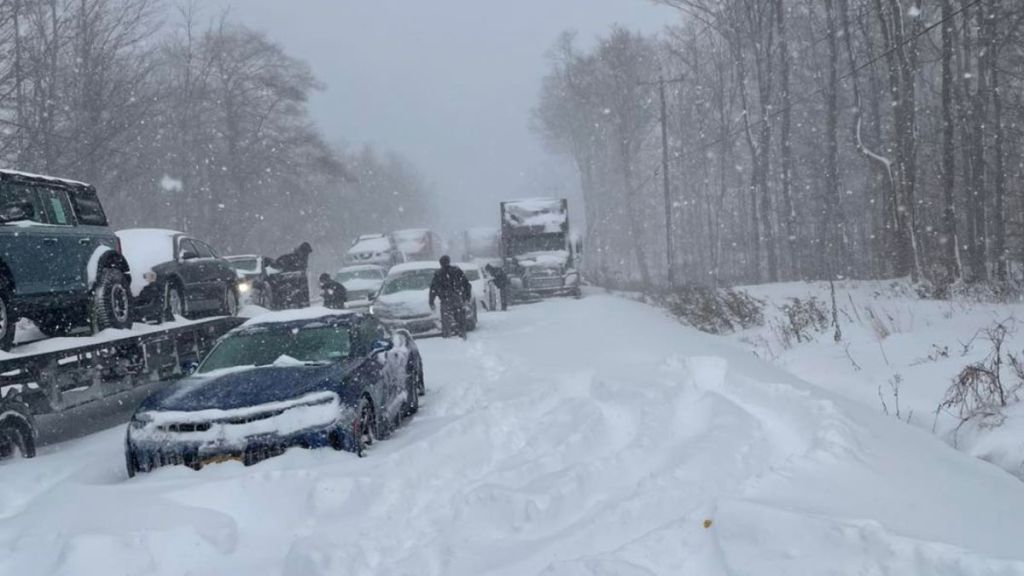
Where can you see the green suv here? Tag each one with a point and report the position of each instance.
(60, 264)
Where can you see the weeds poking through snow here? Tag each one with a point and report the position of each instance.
(980, 391)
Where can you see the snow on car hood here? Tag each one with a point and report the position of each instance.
(362, 285)
(403, 304)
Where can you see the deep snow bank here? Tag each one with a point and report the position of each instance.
(567, 437)
(903, 351)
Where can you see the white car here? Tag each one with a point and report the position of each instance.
(403, 301)
(484, 290)
(361, 283)
(376, 249)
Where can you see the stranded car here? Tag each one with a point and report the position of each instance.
(60, 265)
(379, 249)
(176, 275)
(483, 285)
(404, 300)
(361, 283)
(311, 378)
(254, 285)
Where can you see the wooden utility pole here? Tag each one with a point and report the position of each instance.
(669, 251)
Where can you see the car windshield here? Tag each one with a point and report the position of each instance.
(245, 264)
(365, 274)
(406, 281)
(264, 346)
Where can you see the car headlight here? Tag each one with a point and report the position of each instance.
(244, 287)
(149, 276)
(140, 421)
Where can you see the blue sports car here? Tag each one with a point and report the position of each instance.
(311, 378)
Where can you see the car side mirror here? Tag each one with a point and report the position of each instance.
(190, 368)
(381, 346)
(188, 255)
(16, 212)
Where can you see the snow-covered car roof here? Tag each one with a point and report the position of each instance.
(237, 257)
(362, 267)
(65, 181)
(374, 244)
(299, 315)
(412, 267)
(145, 248)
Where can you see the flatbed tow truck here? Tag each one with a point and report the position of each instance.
(56, 389)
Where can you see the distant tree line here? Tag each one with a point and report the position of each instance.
(808, 139)
(189, 122)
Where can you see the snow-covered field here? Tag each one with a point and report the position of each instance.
(570, 437)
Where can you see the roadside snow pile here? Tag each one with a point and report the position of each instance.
(565, 438)
(901, 355)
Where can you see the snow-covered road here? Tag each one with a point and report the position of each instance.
(568, 437)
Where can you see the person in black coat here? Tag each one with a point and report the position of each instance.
(333, 292)
(453, 289)
(502, 282)
(292, 281)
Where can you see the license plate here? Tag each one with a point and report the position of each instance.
(220, 459)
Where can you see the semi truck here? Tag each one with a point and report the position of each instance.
(538, 251)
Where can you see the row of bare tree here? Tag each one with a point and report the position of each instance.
(808, 139)
(180, 121)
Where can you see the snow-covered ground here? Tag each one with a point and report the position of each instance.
(903, 351)
(570, 437)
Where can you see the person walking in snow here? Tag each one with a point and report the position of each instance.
(292, 280)
(502, 282)
(453, 289)
(333, 292)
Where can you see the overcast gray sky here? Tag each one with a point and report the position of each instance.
(448, 83)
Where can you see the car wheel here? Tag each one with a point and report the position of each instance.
(112, 300)
(412, 391)
(366, 426)
(131, 462)
(16, 431)
(8, 320)
(230, 302)
(474, 319)
(174, 302)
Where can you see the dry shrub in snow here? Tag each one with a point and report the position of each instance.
(714, 311)
(981, 390)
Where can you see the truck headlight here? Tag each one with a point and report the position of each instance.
(244, 287)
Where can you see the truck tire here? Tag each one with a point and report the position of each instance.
(112, 300)
(17, 431)
(8, 320)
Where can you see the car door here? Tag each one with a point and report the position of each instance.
(27, 249)
(220, 272)
(191, 272)
(73, 247)
(91, 230)
(212, 275)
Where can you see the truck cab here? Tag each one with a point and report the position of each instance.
(538, 250)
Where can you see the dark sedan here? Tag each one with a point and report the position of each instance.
(311, 379)
(177, 275)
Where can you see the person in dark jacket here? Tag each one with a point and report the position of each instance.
(502, 282)
(291, 282)
(333, 292)
(451, 286)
